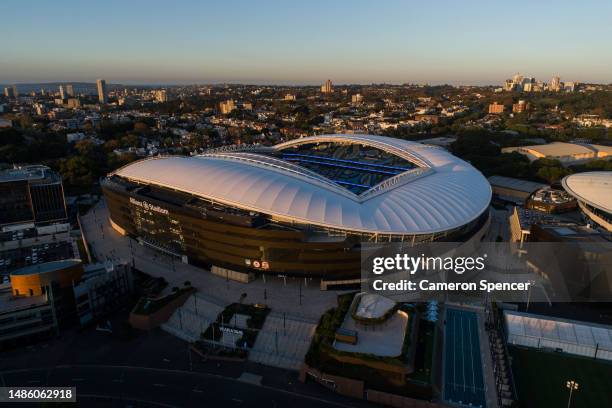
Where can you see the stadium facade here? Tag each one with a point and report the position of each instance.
(593, 190)
(299, 208)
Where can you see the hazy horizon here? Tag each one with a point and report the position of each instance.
(274, 43)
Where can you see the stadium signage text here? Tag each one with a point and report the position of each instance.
(231, 330)
(148, 206)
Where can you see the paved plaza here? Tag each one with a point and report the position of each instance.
(283, 342)
(193, 318)
(290, 295)
(287, 332)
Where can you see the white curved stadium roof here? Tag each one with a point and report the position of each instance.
(594, 188)
(441, 194)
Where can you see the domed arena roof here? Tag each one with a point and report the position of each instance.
(361, 183)
(593, 188)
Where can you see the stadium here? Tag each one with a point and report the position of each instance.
(299, 208)
(593, 190)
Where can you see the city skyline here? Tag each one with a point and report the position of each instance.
(272, 43)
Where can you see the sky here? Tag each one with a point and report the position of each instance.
(304, 41)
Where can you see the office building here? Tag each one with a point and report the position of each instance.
(569, 86)
(9, 92)
(555, 84)
(226, 107)
(102, 289)
(24, 319)
(496, 108)
(357, 98)
(520, 107)
(42, 299)
(69, 90)
(101, 85)
(161, 95)
(73, 103)
(34, 226)
(40, 109)
(326, 88)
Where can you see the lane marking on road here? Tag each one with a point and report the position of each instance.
(107, 397)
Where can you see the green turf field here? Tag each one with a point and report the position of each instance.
(541, 376)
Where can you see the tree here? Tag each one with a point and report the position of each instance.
(141, 127)
(85, 147)
(110, 145)
(78, 172)
(552, 174)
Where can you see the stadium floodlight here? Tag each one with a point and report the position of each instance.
(572, 386)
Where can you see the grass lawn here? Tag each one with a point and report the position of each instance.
(541, 378)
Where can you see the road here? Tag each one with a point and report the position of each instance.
(154, 387)
(154, 367)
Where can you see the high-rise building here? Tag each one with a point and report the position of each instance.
(62, 92)
(520, 107)
(70, 90)
(569, 86)
(161, 95)
(101, 84)
(357, 98)
(40, 109)
(496, 108)
(226, 107)
(509, 85)
(327, 87)
(34, 224)
(11, 91)
(555, 84)
(73, 103)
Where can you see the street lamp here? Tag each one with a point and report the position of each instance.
(531, 283)
(572, 386)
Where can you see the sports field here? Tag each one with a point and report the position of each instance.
(541, 377)
(463, 378)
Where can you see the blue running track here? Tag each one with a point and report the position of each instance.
(463, 378)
